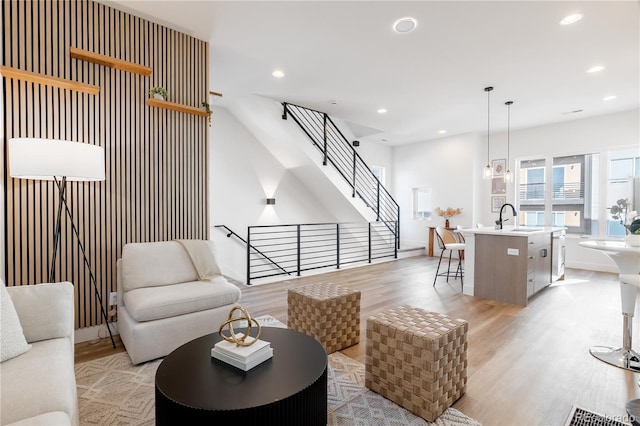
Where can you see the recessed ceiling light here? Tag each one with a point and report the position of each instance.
(597, 68)
(571, 19)
(442, 132)
(405, 25)
(609, 98)
(382, 110)
(277, 74)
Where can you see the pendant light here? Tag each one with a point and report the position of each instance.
(487, 170)
(508, 176)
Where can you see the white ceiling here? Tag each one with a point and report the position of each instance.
(430, 79)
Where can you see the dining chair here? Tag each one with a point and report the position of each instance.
(447, 241)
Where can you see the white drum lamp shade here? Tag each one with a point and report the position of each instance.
(46, 159)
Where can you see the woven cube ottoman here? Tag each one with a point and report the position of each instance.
(328, 312)
(417, 359)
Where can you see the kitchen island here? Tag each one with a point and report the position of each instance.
(511, 264)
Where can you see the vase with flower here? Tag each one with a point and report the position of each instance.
(447, 213)
(629, 219)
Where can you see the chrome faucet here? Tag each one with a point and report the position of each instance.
(513, 210)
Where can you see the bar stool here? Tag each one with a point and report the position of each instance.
(447, 241)
(624, 357)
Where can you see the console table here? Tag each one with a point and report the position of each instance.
(288, 389)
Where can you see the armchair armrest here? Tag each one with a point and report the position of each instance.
(46, 311)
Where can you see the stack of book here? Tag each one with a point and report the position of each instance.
(243, 357)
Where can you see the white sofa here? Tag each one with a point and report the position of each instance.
(161, 303)
(39, 386)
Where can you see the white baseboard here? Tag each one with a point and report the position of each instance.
(96, 332)
(590, 266)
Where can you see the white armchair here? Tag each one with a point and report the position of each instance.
(162, 304)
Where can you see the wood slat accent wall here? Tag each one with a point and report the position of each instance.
(156, 159)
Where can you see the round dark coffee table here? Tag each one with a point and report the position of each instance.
(288, 389)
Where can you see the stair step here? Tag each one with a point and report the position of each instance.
(411, 251)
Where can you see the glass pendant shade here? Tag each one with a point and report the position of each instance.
(508, 176)
(487, 172)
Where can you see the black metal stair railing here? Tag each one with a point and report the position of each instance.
(274, 250)
(337, 151)
(230, 232)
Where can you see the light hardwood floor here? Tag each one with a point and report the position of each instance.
(527, 366)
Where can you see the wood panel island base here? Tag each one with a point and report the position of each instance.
(509, 265)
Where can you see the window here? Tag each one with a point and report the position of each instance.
(421, 204)
(571, 192)
(568, 203)
(379, 172)
(624, 169)
(577, 191)
(531, 193)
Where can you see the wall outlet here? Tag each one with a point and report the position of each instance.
(513, 252)
(113, 298)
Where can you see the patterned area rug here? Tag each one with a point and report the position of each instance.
(112, 391)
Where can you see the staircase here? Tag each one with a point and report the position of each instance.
(337, 151)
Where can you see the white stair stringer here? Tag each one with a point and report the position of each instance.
(296, 152)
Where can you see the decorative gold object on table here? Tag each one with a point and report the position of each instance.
(233, 338)
(242, 351)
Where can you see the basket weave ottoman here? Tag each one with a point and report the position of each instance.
(328, 312)
(417, 359)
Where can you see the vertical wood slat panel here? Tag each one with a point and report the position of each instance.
(155, 187)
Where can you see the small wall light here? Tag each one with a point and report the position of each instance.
(355, 143)
(271, 201)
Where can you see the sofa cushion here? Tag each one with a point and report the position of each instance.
(46, 310)
(155, 264)
(12, 340)
(39, 382)
(152, 303)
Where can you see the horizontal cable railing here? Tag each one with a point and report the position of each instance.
(230, 232)
(337, 151)
(292, 249)
(563, 191)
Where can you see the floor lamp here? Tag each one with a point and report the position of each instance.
(62, 162)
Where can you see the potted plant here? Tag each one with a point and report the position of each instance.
(630, 220)
(207, 108)
(447, 214)
(158, 93)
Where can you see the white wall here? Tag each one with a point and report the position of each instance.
(373, 153)
(581, 136)
(452, 168)
(243, 173)
(446, 166)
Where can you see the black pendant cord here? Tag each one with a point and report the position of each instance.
(61, 186)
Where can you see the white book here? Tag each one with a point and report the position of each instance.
(243, 353)
(245, 366)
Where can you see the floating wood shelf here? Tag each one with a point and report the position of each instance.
(62, 83)
(159, 103)
(108, 61)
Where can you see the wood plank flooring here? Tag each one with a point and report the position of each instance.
(527, 365)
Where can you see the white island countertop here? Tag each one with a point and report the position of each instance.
(519, 231)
